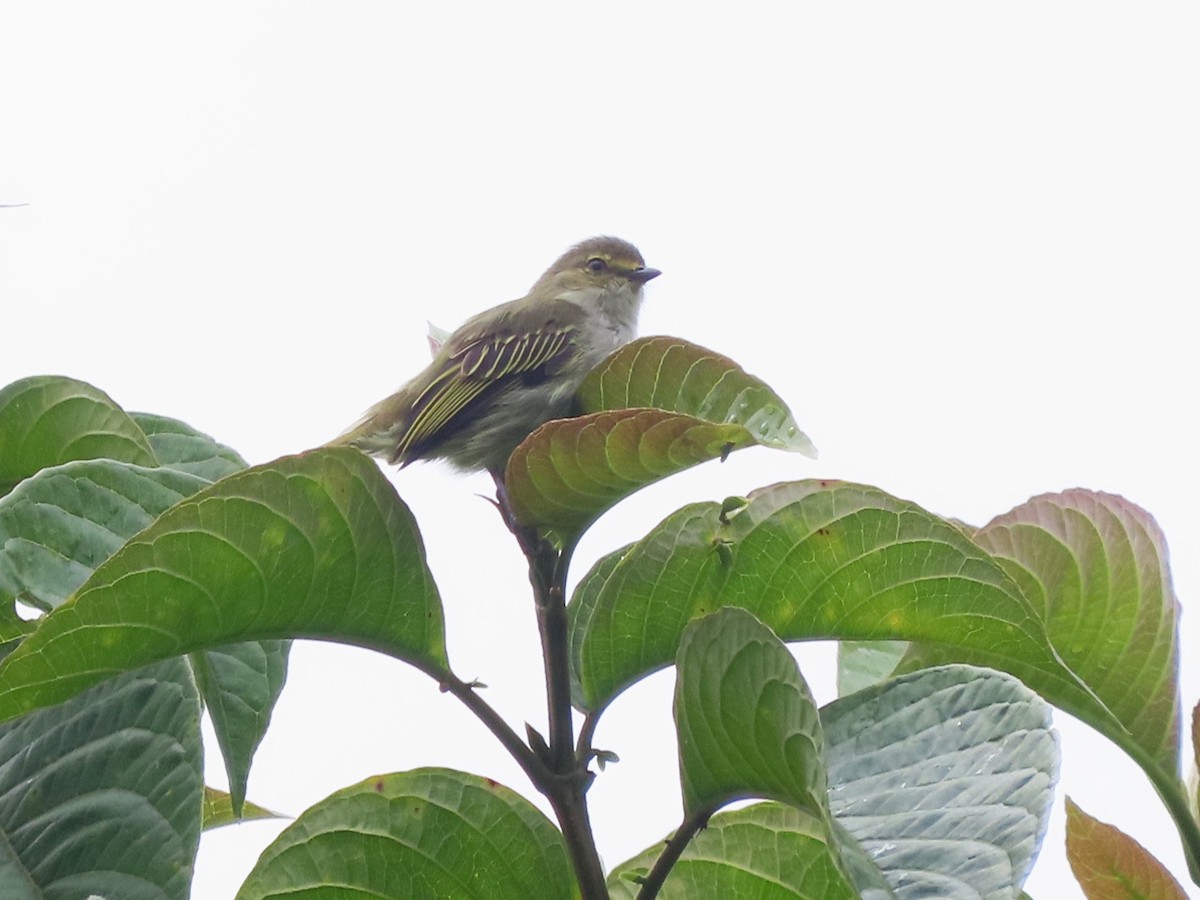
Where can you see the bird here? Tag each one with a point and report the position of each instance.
(511, 368)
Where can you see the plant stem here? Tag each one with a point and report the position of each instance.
(533, 767)
(562, 776)
(567, 789)
(671, 853)
(570, 808)
(552, 626)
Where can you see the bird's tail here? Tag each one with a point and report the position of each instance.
(379, 430)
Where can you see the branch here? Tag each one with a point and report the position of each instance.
(553, 628)
(563, 779)
(533, 767)
(672, 851)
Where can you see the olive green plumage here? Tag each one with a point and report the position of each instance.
(509, 369)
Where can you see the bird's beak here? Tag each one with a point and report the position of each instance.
(641, 276)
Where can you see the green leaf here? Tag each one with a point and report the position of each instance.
(945, 777)
(766, 851)
(582, 604)
(671, 374)
(1110, 865)
(813, 559)
(746, 722)
(49, 420)
(421, 834)
(864, 663)
(218, 810)
(1095, 567)
(102, 795)
(655, 407)
(316, 546)
(57, 527)
(240, 684)
(864, 874)
(1193, 782)
(569, 471)
(179, 446)
(12, 628)
(1196, 735)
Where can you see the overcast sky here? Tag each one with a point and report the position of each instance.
(960, 240)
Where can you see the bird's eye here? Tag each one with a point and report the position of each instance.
(596, 265)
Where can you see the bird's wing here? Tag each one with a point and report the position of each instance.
(477, 364)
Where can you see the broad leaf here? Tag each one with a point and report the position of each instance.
(218, 810)
(812, 559)
(864, 663)
(671, 374)
(945, 777)
(569, 471)
(746, 722)
(582, 602)
(655, 407)
(765, 851)
(316, 545)
(181, 447)
(101, 796)
(240, 684)
(1110, 865)
(1095, 567)
(48, 420)
(421, 834)
(57, 527)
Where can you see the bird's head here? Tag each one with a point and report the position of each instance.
(598, 265)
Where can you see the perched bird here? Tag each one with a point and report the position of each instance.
(509, 369)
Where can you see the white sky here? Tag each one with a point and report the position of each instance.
(960, 239)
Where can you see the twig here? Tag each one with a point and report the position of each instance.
(533, 767)
(671, 852)
(552, 625)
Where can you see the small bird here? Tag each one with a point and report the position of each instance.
(506, 371)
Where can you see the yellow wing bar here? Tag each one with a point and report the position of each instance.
(475, 367)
